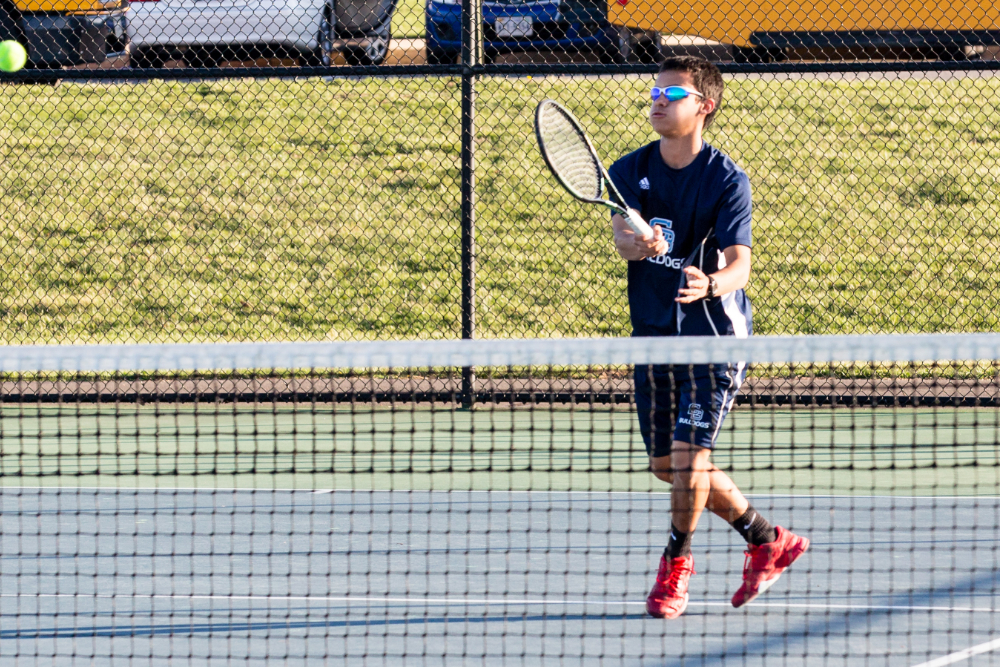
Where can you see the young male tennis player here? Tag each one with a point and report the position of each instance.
(688, 280)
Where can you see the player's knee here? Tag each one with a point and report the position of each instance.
(661, 468)
(684, 478)
(689, 464)
(685, 473)
(664, 475)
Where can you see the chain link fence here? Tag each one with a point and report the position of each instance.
(315, 170)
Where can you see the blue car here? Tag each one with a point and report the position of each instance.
(579, 26)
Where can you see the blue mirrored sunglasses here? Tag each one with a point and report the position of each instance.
(673, 93)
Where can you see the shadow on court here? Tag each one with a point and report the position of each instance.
(866, 622)
(228, 627)
(110, 573)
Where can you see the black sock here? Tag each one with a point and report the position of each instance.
(679, 544)
(754, 528)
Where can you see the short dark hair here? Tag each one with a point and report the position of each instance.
(707, 78)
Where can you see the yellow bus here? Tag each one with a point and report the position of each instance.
(762, 30)
(62, 33)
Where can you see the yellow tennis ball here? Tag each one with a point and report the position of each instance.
(12, 56)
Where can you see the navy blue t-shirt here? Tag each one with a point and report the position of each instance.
(702, 208)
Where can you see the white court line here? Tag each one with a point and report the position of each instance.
(417, 601)
(964, 654)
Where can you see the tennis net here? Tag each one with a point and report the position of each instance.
(490, 502)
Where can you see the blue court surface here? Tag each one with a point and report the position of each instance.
(169, 576)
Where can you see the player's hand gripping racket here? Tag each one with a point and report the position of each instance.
(575, 164)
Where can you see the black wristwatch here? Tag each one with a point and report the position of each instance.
(713, 287)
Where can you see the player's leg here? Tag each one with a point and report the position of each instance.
(724, 498)
(701, 409)
(704, 398)
(697, 482)
(691, 477)
(770, 549)
(689, 493)
(669, 595)
(654, 400)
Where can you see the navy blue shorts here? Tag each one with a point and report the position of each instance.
(684, 403)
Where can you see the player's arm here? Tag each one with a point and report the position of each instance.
(735, 275)
(631, 246)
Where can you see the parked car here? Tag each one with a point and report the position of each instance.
(66, 33)
(205, 32)
(573, 26)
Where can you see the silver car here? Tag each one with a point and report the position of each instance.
(206, 32)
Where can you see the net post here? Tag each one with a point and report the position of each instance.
(472, 13)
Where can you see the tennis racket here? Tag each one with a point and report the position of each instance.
(574, 162)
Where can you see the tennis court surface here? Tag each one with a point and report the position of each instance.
(370, 504)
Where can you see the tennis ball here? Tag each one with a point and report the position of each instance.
(12, 56)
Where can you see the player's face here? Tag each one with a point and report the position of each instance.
(680, 118)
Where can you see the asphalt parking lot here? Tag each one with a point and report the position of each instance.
(412, 52)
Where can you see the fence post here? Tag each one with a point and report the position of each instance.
(472, 21)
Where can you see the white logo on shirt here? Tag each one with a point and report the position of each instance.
(666, 226)
(669, 262)
(644, 184)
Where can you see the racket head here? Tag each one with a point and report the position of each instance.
(568, 152)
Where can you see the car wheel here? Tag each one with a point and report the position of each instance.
(633, 48)
(439, 56)
(322, 56)
(373, 52)
(203, 57)
(649, 50)
(757, 54)
(10, 21)
(949, 52)
(609, 51)
(147, 58)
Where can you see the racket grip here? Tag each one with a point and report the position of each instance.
(638, 225)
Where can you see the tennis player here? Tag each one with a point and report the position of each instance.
(688, 280)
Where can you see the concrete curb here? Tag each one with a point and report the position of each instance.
(407, 52)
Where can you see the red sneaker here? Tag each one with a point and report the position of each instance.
(765, 563)
(669, 597)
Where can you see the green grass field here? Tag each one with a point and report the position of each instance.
(310, 210)
(408, 21)
(819, 451)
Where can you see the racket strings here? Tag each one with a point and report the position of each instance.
(569, 153)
